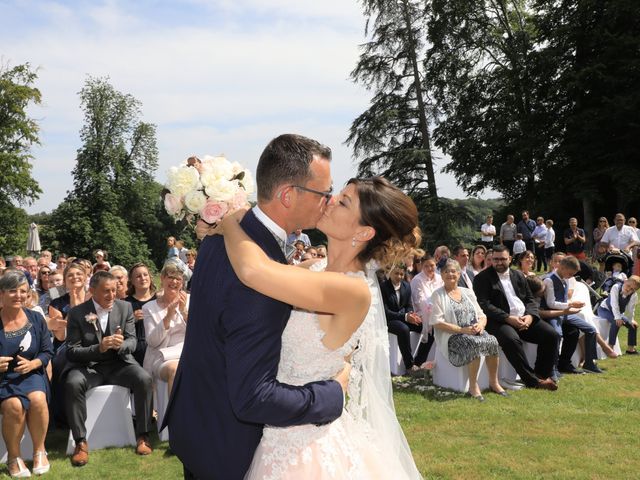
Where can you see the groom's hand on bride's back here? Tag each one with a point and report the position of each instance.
(343, 377)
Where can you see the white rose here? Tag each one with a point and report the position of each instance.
(222, 191)
(182, 180)
(215, 168)
(194, 201)
(208, 176)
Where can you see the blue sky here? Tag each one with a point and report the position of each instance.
(215, 76)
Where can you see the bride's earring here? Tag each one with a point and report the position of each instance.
(353, 242)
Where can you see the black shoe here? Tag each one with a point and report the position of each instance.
(480, 398)
(631, 352)
(592, 369)
(570, 369)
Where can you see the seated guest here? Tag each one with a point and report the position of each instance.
(401, 319)
(74, 281)
(191, 259)
(101, 262)
(488, 261)
(141, 290)
(459, 325)
(619, 308)
(422, 287)
(461, 255)
(165, 323)
(101, 340)
(122, 281)
(43, 277)
(25, 351)
(441, 254)
(322, 251)
(557, 298)
(61, 262)
(478, 254)
(525, 263)
(56, 279)
(512, 316)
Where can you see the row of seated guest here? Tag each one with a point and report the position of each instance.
(140, 292)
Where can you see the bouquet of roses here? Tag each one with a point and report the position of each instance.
(210, 188)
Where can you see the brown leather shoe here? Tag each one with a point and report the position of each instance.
(80, 455)
(547, 384)
(143, 446)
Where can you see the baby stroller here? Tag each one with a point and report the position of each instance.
(612, 258)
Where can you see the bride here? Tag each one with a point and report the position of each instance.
(337, 314)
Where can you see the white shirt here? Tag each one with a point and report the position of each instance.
(620, 238)
(421, 290)
(519, 247)
(488, 232)
(270, 224)
(615, 305)
(550, 295)
(103, 316)
(550, 238)
(516, 307)
(540, 233)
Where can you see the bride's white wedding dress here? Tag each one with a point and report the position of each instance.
(347, 448)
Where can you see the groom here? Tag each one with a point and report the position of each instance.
(225, 388)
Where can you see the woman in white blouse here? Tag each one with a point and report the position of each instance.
(165, 324)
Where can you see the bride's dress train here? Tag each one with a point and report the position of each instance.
(347, 448)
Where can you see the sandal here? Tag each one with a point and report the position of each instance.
(23, 472)
(41, 468)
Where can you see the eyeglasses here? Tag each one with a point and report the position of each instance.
(327, 195)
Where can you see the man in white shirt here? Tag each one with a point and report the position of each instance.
(488, 231)
(620, 237)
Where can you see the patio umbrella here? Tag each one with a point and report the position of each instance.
(33, 242)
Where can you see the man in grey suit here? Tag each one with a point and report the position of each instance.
(101, 340)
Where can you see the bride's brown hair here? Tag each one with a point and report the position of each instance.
(393, 216)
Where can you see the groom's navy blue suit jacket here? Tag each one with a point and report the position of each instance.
(225, 388)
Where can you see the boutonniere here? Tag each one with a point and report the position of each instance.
(92, 318)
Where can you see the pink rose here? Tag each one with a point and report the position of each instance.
(212, 212)
(172, 204)
(239, 199)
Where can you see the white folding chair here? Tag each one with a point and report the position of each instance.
(109, 422)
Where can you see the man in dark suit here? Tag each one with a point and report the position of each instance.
(401, 319)
(101, 339)
(225, 387)
(461, 255)
(512, 316)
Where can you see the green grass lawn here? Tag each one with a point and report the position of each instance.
(588, 429)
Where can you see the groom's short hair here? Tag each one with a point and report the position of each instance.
(286, 159)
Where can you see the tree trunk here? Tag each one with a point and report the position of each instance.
(422, 113)
(587, 210)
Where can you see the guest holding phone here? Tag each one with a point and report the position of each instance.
(25, 351)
